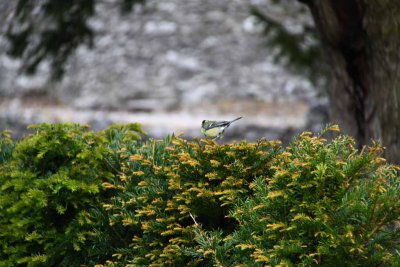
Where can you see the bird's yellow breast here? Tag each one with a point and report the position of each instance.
(212, 133)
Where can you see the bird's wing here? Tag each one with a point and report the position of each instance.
(218, 124)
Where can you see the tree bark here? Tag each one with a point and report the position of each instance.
(362, 43)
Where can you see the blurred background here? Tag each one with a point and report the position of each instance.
(165, 64)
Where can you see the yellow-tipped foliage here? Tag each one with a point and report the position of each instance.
(71, 197)
(200, 178)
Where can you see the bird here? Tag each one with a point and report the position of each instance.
(215, 129)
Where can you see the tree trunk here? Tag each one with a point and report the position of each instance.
(362, 41)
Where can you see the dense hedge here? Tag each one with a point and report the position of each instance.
(73, 197)
(326, 204)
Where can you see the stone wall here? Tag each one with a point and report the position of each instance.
(201, 58)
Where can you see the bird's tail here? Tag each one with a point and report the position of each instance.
(235, 120)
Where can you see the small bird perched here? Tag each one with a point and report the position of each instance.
(215, 129)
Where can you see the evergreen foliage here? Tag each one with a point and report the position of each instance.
(47, 189)
(326, 204)
(72, 197)
(6, 146)
(164, 183)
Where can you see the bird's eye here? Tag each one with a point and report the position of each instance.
(203, 121)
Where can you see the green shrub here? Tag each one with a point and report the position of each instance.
(48, 187)
(6, 146)
(164, 183)
(72, 197)
(326, 204)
